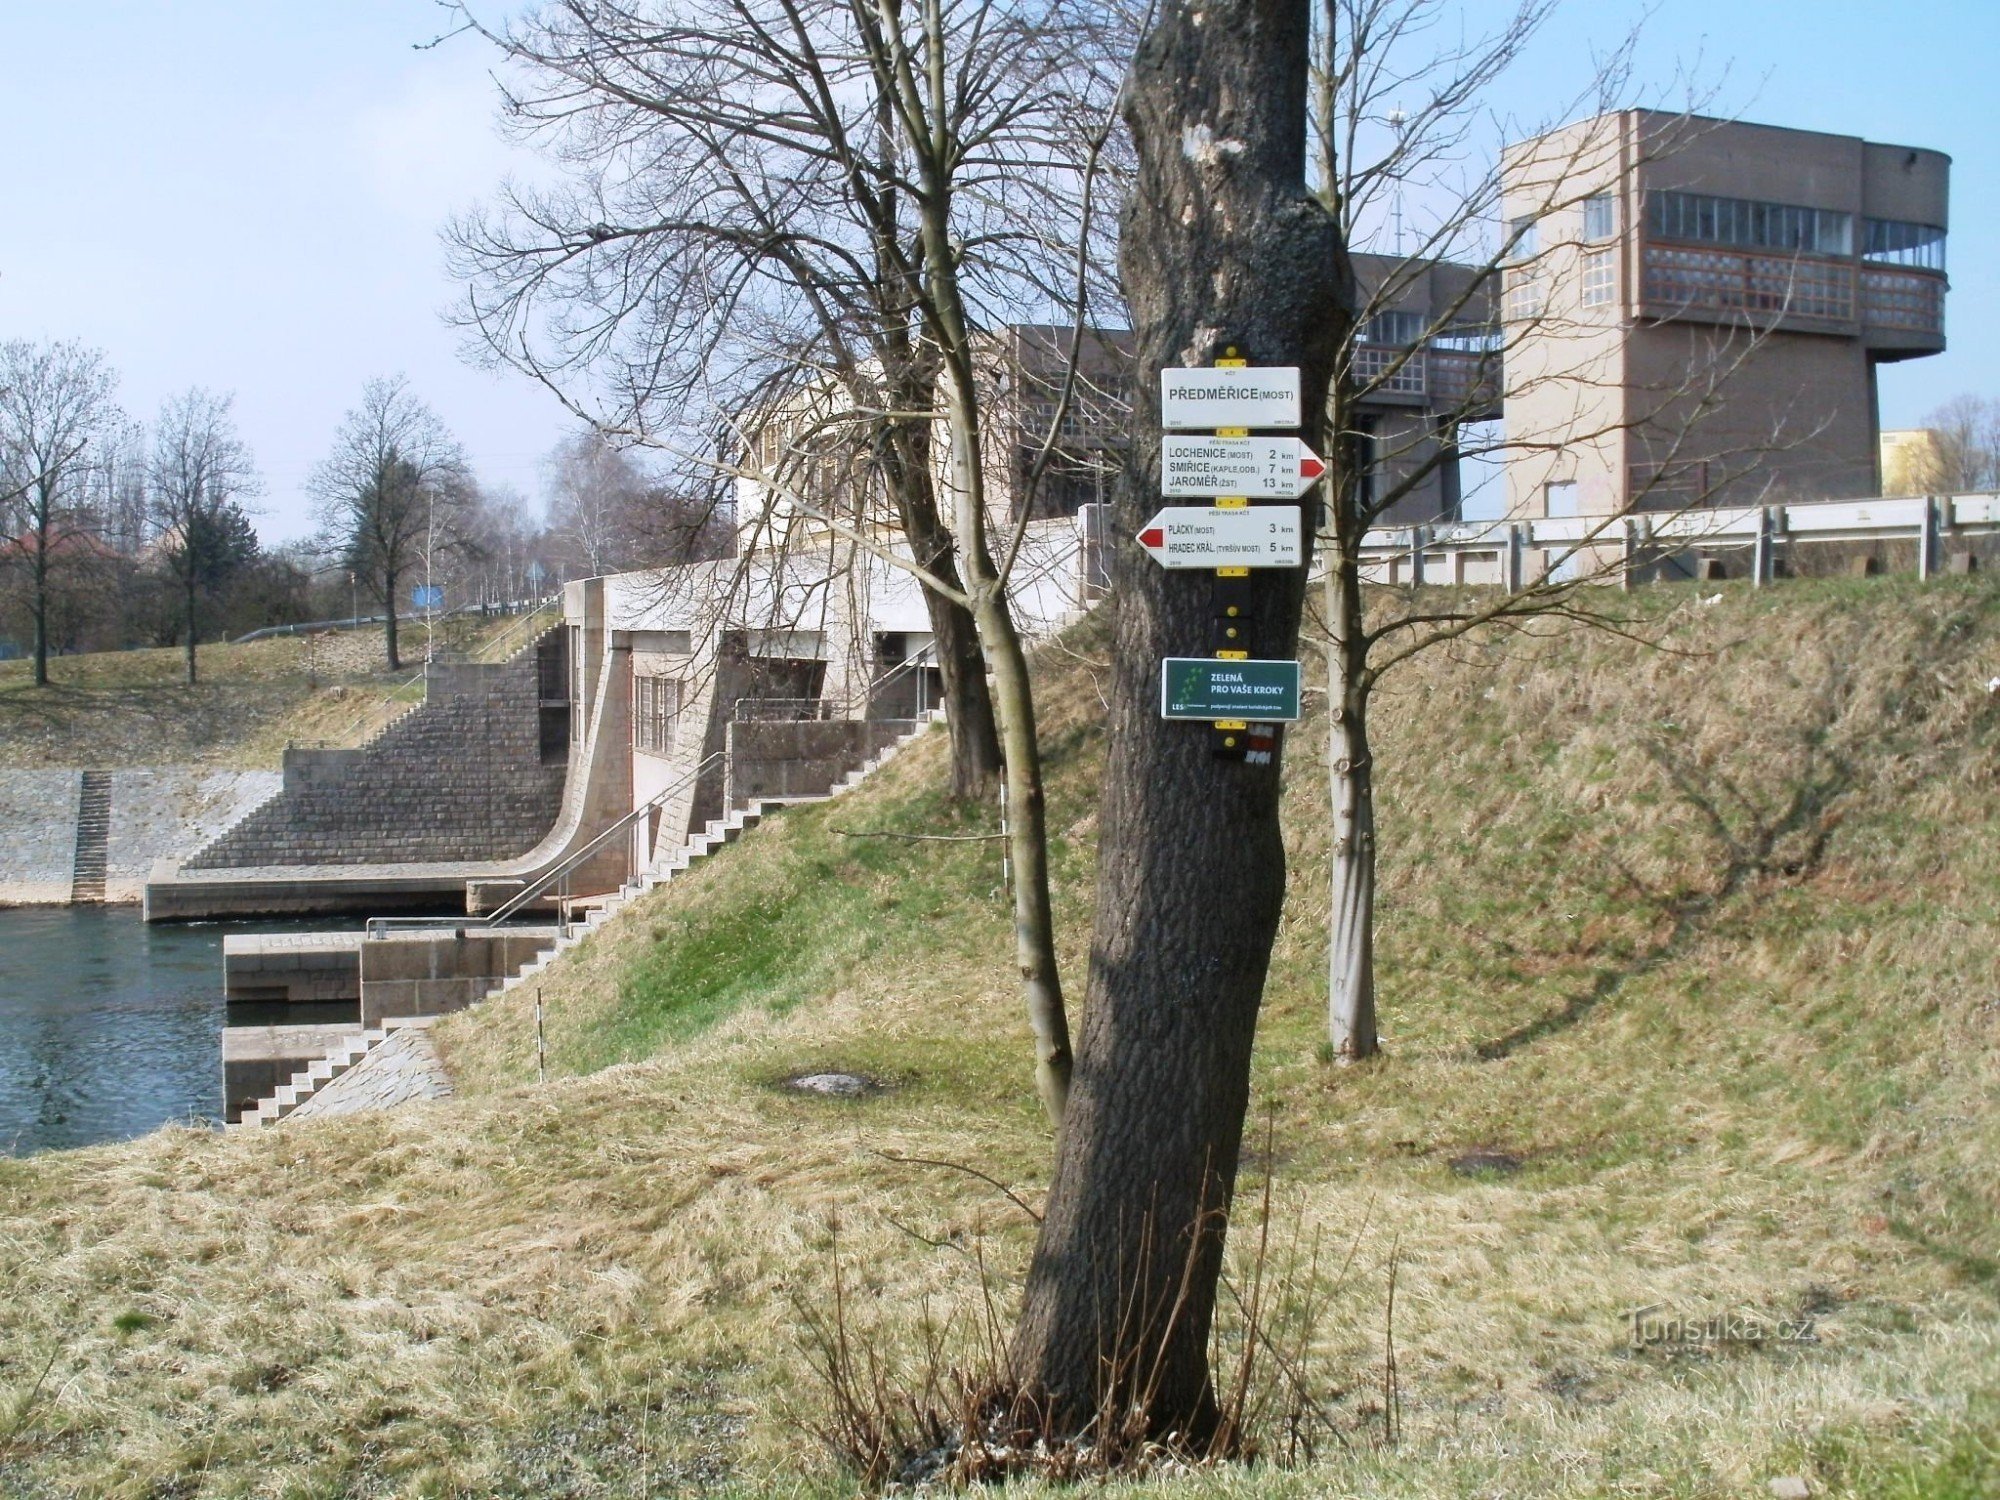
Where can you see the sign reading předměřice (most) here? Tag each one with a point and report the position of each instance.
(1251, 396)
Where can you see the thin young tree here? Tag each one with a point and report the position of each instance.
(1404, 145)
(389, 492)
(55, 407)
(1224, 249)
(199, 475)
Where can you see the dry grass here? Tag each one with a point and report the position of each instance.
(1705, 940)
(134, 708)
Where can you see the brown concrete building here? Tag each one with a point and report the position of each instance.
(1694, 310)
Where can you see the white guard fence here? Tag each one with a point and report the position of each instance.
(1513, 553)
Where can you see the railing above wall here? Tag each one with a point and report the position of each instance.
(1440, 553)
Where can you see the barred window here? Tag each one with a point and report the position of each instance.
(656, 713)
(1600, 278)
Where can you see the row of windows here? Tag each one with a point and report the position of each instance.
(1600, 222)
(1401, 329)
(1897, 243)
(1749, 223)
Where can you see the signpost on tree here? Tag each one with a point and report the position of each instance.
(1224, 255)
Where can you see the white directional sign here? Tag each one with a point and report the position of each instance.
(1203, 536)
(1266, 396)
(1259, 468)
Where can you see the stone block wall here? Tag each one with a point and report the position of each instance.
(436, 973)
(460, 778)
(802, 758)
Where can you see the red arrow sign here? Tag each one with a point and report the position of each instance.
(1260, 468)
(1152, 536)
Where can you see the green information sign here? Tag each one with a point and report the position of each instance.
(1200, 687)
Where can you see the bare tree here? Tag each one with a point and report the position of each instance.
(781, 207)
(1965, 451)
(1484, 298)
(743, 220)
(613, 515)
(200, 474)
(55, 407)
(390, 492)
(595, 492)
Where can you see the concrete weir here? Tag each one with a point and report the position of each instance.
(376, 980)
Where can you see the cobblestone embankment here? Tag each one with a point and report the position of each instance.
(157, 812)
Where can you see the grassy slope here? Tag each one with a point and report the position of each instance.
(1705, 936)
(135, 708)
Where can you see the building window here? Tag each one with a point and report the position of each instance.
(1382, 371)
(1402, 329)
(1600, 217)
(1522, 238)
(1600, 278)
(656, 713)
(1524, 295)
(1750, 224)
(1892, 242)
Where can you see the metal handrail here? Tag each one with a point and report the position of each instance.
(560, 872)
(909, 664)
(509, 641)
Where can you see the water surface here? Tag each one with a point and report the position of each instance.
(108, 1027)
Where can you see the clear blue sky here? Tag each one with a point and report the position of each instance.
(248, 196)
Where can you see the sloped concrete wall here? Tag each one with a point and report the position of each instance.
(37, 835)
(157, 812)
(167, 812)
(802, 758)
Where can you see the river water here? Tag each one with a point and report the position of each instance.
(108, 1027)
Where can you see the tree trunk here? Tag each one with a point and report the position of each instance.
(968, 704)
(1221, 246)
(1014, 702)
(190, 601)
(1351, 781)
(389, 609)
(40, 608)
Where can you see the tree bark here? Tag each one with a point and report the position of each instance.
(190, 601)
(1351, 781)
(1222, 245)
(968, 703)
(389, 609)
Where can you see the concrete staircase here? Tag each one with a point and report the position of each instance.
(596, 911)
(93, 839)
(344, 1059)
